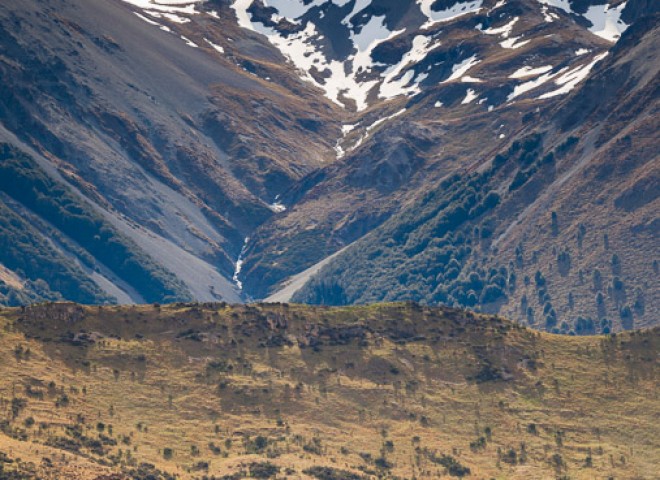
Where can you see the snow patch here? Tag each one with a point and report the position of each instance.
(148, 20)
(561, 4)
(339, 150)
(530, 72)
(395, 84)
(169, 16)
(151, 22)
(277, 207)
(189, 42)
(455, 11)
(504, 30)
(499, 4)
(240, 8)
(385, 119)
(186, 7)
(606, 21)
(470, 96)
(549, 17)
(346, 129)
(513, 43)
(570, 79)
(532, 84)
(460, 69)
(217, 48)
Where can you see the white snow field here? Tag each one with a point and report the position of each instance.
(357, 79)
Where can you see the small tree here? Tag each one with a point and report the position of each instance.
(626, 317)
(582, 230)
(597, 279)
(605, 326)
(616, 264)
(564, 262)
(539, 279)
(554, 223)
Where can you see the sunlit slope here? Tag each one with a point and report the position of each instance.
(286, 391)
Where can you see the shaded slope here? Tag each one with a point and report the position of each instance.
(155, 133)
(95, 239)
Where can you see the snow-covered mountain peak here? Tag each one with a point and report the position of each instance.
(361, 51)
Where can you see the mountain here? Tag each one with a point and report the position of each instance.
(154, 137)
(548, 230)
(194, 391)
(470, 153)
(452, 74)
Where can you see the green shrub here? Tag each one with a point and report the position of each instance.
(453, 466)
(329, 473)
(263, 470)
(22, 179)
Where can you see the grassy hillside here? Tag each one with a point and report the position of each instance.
(289, 391)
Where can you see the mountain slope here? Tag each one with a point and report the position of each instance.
(390, 391)
(160, 137)
(360, 52)
(231, 146)
(572, 202)
(478, 78)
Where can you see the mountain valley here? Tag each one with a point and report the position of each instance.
(329, 239)
(498, 156)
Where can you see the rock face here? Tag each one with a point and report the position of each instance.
(278, 132)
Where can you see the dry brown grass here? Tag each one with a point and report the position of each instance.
(323, 387)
